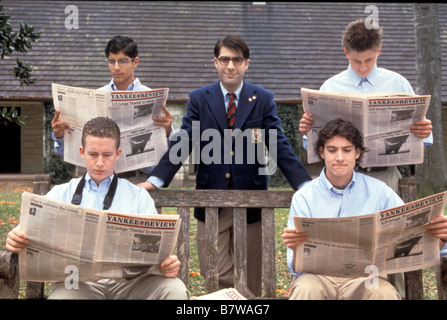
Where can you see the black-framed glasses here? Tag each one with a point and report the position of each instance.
(122, 62)
(237, 61)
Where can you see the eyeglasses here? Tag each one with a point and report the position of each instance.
(237, 61)
(122, 62)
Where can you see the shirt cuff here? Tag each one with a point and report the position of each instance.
(444, 250)
(429, 140)
(157, 182)
(58, 144)
(305, 142)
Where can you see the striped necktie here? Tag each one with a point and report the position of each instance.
(231, 111)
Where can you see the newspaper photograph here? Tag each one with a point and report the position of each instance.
(392, 241)
(384, 120)
(97, 244)
(143, 143)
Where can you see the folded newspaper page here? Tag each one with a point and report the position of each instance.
(389, 241)
(143, 143)
(96, 244)
(223, 294)
(384, 120)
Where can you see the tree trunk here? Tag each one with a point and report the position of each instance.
(431, 176)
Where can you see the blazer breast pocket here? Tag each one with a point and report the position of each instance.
(255, 123)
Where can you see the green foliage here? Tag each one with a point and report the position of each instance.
(11, 115)
(290, 118)
(23, 72)
(20, 41)
(59, 170)
(54, 165)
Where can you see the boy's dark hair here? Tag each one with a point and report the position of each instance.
(101, 127)
(359, 38)
(343, 128)
(122, 44)
(233, 42)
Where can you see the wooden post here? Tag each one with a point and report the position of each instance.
(9, 275)
(441, 277)
(211, 233)
(414, 288)
(268, 253)
(183, 245)
(240, 251)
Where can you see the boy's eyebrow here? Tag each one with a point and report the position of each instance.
(335, 147)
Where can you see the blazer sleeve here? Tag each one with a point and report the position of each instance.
(280, 149)
(179, 146)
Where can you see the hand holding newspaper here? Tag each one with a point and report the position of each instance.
(392, 240)
(98, 244)
(384, 120)
(143, 143)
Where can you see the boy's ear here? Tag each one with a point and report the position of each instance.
(82, 152)
(358, 153)
(118, 153)
(321, 152)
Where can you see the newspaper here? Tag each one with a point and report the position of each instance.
(392, 241)
(384, 120)
(143, 143)
(223, 294)
(96, 244)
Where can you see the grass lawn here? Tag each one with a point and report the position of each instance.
(10, 200)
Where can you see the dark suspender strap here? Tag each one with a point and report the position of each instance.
(77, 197)
(111, 193)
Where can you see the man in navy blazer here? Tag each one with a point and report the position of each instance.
(230, 158)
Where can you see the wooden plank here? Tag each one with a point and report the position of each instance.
(268, 253)
(214, 198)
(183, 245)
(441, 277)
(414, 287)
(211, 231)
(240, 251)
(9, 275)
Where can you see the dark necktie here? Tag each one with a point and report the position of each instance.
(231, 113)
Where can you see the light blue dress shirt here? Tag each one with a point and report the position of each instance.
(319, 199)
(134, 86)
(128, 197)
(379, 80)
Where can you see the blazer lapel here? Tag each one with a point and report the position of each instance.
(217, 106)
(247, 102)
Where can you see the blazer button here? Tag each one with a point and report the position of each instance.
(227, 175)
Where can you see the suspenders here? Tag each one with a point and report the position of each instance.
(77, 197)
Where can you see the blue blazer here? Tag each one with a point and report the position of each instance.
(206, 114)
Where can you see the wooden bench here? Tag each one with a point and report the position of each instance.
(184, 200)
